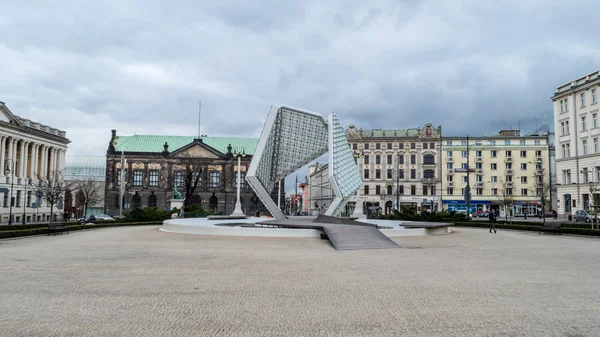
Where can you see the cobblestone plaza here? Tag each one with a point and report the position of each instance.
(138, 281)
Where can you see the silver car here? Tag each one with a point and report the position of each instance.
(584, 216)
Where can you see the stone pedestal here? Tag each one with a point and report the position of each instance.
(358, 209)
(177, 203)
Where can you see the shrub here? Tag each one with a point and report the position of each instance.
(195, 211)
(148, 214)
(411, 215)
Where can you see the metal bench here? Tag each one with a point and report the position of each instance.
(57, 228)
(553, 227)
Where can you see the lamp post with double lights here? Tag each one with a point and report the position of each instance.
(7, 170)
(238, 205)
(358, 204)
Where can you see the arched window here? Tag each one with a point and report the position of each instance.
(152, 200)
(429, 159)
(389, 190)
(213, 202)
(136, 201)
(429, 174)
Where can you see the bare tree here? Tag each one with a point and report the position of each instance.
(193, 170)
(505, 196)
(594, 187)
(543, 189)
(89, 191)
(52, 189)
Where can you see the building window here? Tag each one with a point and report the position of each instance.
(449, 191)
(401, 159)
(509, 191)
(214, 178)
(492, 142)
(366, 173)
(494, 179)
(524, 180)
(413, 174)
(138, 177)
(506, 142)
(479, 191)
(464, 166)
(595, 120)
(536, 142)
(464, 154)
(493, 154)
(429, 159)
(429, 174)
(389, 159)
(449, 143)
(494, 166)
(449, 178)
(478, 154)
(584, 146)
(366, 191)
(583, 123)
(377, 146)
(401, 145)
(425, 146)
(479, 166)
(584, 173)
(424, 190)
(413, 159)
(377, 174)
(509, 153)
(401, 174)
(509, 166)
(377, 159)
(432, 146)
(523, 154)
(582, 96)
(389, 174)
(377, 190)
(389, 146)
(153, 178)
(522, 142)
(18, 199)
(566, 176)
(119, 177)
(152, 200)
(242, 180)
(523, 166)
(366, 146)
(28, 198)
(179, 179)
(413, 145)
(523, 191)
(366, 160)
(401, 190)
(494, 191)
(354, 146)
(5, 199)
(464, 179)
(463, 142)
(449, 154)
(413, 190)
(596, 145)
(449, 166)
(462, 191)
(594, 97)
(597, 174)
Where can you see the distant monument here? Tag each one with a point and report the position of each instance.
(177, 200)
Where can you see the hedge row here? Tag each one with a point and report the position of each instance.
(12, 233)
(565, 228)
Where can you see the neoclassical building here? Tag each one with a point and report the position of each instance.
(398, 166)
(30, 150)
(154, 169)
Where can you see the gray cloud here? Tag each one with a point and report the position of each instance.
(142, 66)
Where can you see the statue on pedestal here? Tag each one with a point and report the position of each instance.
(176, 194)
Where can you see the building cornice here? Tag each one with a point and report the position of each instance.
(35, 132)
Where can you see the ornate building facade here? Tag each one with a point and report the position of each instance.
(154, 168)
(29, 151)
(398, 166)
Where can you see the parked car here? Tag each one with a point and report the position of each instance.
(462, 211)
(584, 216)
(96, 218)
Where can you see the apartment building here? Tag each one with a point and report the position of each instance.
(578, 150)
(398, 166)
(505, 172)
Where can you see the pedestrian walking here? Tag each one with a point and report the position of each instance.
(492, 218)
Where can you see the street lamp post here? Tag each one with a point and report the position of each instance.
(296, 211)
(358, 206)
(468, 188)
(10, 163)
(25, 204)
(238, 205)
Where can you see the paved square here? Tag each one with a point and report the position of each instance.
(137, 281)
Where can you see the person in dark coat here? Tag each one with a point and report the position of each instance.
(492, 218)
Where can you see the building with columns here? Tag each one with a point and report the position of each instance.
(30, 151)
(398, 166)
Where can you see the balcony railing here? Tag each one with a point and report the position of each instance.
(449, 160)
(508, 159)
(450, 184)
(509, 184)
(509, 172)
(478, 159)
(429, 181)
(479, 172)
(538, 172)
(450, 171)
(539, 159)
(479, 184)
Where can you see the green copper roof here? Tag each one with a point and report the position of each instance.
(381, 133)
(146, 143)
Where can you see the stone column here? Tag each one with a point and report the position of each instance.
(2, 153)
(33, 160)
(42, 161)
(22, 159)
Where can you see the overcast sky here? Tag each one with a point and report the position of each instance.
(142, 66)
